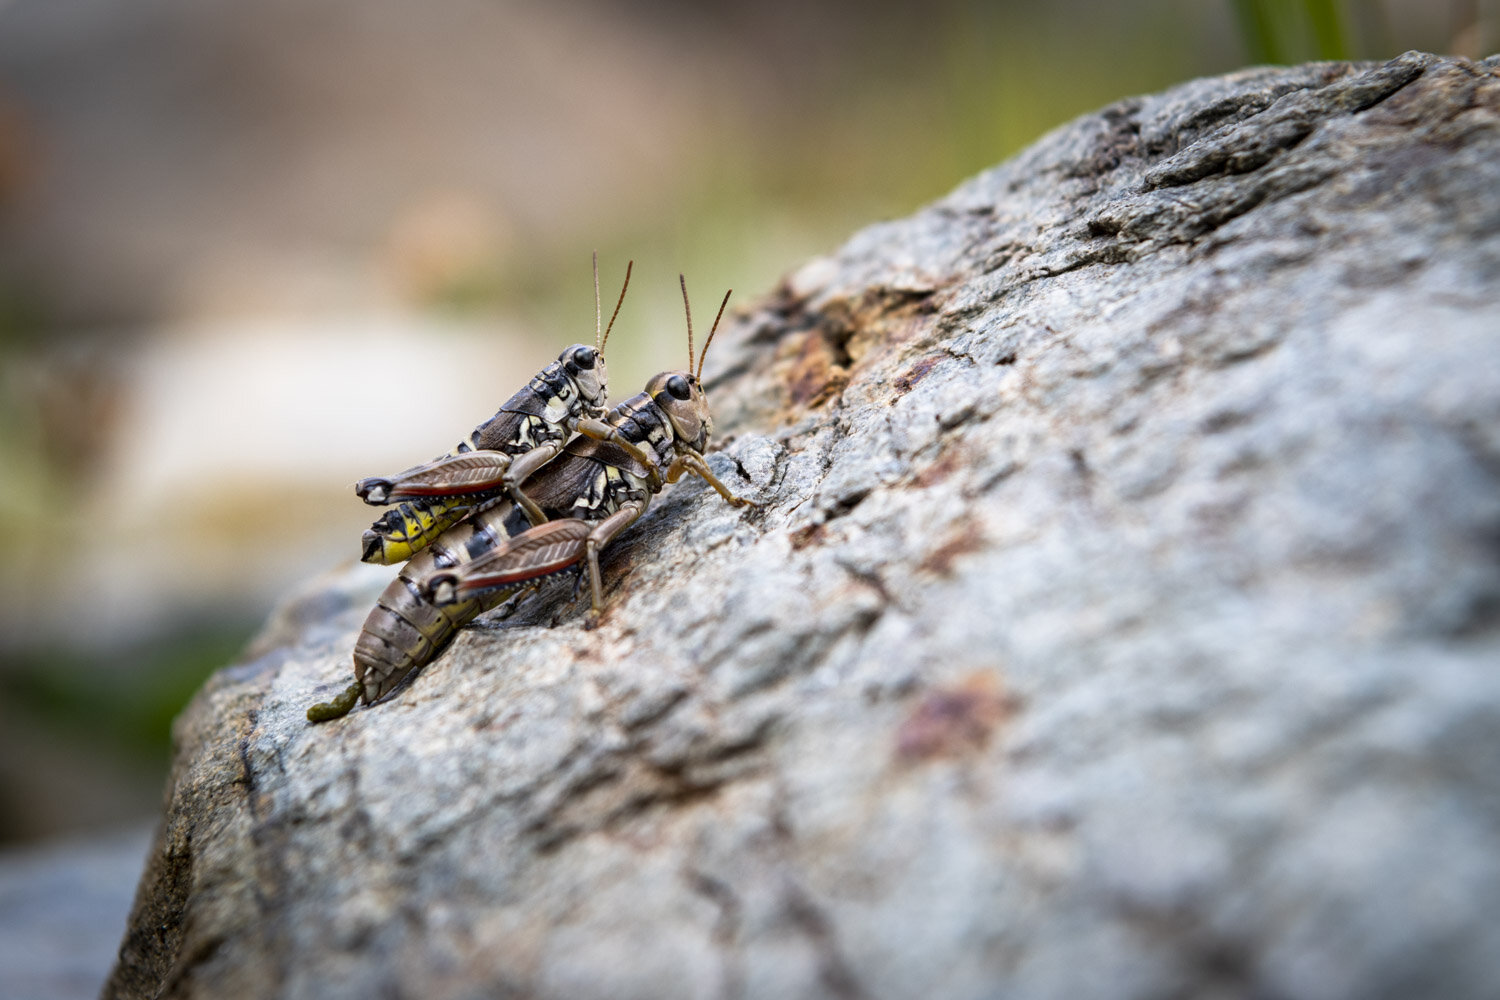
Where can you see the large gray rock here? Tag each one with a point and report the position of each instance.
(1122, 618)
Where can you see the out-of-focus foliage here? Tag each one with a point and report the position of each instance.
(1276, 29)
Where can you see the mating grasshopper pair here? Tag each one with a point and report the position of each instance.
(520, 501)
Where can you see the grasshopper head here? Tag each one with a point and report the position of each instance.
(584, 364)
(681, 398)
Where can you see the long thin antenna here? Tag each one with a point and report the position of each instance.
(689, 310)
(598, 341)
(618, 304)
(712, 330)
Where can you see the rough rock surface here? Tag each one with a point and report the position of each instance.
(1122, 619)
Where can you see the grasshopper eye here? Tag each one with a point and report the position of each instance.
(678, 387)
(585, 357)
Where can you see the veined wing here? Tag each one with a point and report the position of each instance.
(537, 552)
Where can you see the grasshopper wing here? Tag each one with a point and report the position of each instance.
(534, 553)
(451, 475)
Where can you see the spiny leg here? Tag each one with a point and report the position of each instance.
(602, 534)
(688, 460)
(521, 469)
(600, 431)
(451, 475)
(535, 553)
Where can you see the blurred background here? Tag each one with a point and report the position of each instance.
(250, 253)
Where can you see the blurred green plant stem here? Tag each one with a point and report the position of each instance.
(1280, 31)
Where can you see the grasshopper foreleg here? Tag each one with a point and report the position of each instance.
(601, 431)
(688, 460)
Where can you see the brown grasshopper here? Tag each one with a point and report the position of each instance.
(600, 485)
(524, 435)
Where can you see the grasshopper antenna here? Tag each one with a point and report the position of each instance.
(711, 331)
(598, 319)
(689, 310)
(618, 304)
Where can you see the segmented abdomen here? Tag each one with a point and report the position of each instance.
(413, 525)
(405, 630)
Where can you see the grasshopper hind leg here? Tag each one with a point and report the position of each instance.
(534, 514)
(521, 469)
(462, 474)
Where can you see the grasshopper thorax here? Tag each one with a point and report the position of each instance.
(680, 398)
(583, 364)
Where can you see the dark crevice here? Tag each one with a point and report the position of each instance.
(675, 791)
(845, 504)
(1230, 159)
(726, 929)
(1083, 471)
(584, 806)
(872, 580)
(907, 380)
(834, 970)
(1119, 142)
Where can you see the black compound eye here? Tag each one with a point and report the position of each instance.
(678, 387)
(584, 357)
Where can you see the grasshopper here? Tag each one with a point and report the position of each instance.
(524, 435)
(600, 485)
